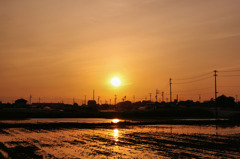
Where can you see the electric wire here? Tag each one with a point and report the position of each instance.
(230, 86)
(195, 89)
(194, 77)
(229, 75)
(236, 70)
(193, 80)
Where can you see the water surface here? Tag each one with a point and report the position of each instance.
(148, 141)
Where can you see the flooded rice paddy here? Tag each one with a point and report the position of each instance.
(61, 120)
(145, 141)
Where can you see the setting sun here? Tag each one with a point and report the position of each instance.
(115, 121)
(116, 82)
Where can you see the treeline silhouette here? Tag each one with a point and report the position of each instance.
(226, 106)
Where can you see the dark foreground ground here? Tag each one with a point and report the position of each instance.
(148, 139)
(149, 134)
(117, 141)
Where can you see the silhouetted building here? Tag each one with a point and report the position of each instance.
(92, 103)
(21, 101)
(127, 105)
(75, 104)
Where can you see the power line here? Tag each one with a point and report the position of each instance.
(194, 77)
(195, 89)
(238, 70)
(193, 81)
(229, 86)
(229, 75)
(190, 93)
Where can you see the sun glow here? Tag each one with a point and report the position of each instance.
(115, 121)
(116, 82)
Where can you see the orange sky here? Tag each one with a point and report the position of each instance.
(65, 49)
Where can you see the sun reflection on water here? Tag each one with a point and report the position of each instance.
(115, 135)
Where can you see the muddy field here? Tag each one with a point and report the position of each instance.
(149, 141)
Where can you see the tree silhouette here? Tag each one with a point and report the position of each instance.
(224, 101)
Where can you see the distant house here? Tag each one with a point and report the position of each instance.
(21, 101)
(92, 103)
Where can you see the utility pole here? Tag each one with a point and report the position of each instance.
(85, 100)
(110, 102)
(199, 98)
(215, 74)
(93, 94)
(133, 99)
(115, 99)
(162, 96)
(156, 94)
(30, 99)
(150, 95)
(236, 98)
(39, 100)
(98, 100)
(170, 82)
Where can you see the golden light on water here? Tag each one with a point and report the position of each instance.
(115, 135)
(115, 121)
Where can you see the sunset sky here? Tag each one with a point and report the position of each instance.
(63, 49)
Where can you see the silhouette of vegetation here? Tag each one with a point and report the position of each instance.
(125, 110)
(223, 101)
(21, 102)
